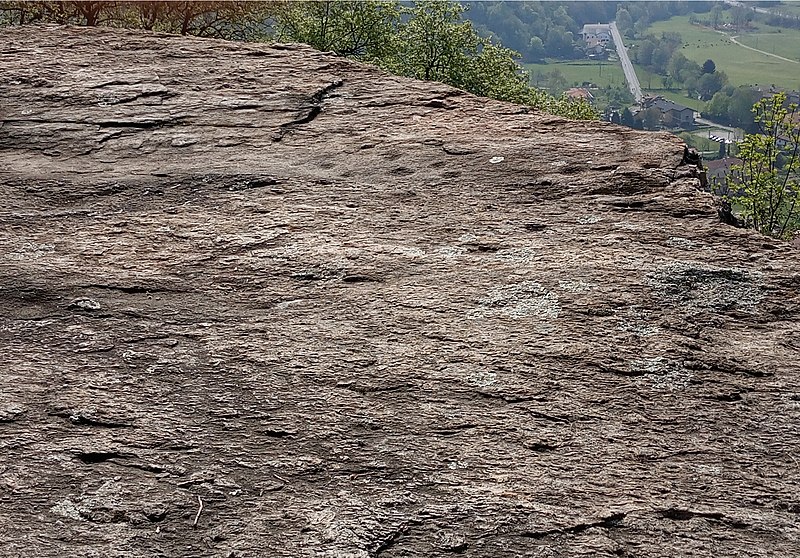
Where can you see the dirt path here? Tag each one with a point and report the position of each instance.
(732, 39)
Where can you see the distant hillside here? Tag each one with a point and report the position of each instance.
(557, 24)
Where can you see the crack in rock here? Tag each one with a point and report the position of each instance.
(613, 521)
(313, 107)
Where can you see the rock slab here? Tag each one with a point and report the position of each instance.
(263, 301)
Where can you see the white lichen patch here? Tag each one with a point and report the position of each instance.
(660, 373)
(482, 378)
(407, 251)
(638, 323)
(518, 255)
(67, 508)
(467, 237)
(527, 299)
(576, 286)
(30, 251)
(680, 242)
(640, 329)
(697, 285)
(589, 219)
(450, 252)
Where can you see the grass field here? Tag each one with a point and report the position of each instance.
(579, 71)
(743, 66)
(783, 42)
(681, 99)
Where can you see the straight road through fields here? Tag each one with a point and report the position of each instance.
(627, 66)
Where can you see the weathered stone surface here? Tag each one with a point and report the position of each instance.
(357, 315)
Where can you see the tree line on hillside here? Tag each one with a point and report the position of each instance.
(541, 30)
(428, 39)
(234, 20)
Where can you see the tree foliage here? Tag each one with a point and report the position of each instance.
(428, 40)
(235, 20)
(768, 180)
(733, 106)
(361, 30)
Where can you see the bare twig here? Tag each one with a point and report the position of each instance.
(199, 511)
(283, 480)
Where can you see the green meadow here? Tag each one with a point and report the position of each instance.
(743, 66)
(575, 73)
(681, 98)
(776, 40)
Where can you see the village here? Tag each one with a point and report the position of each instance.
(716, 141)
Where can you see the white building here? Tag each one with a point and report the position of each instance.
(596, 34)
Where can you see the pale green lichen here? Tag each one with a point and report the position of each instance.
(520, 300)
(450, 252)
(638, 323)
(575, 286)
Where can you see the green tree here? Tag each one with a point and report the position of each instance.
(644, 53)
(740, 108)
(434, 43)
(626, 118)
(624, 21)
(676, 65)
(690, 69)
(536, 49)
(718, 106)
(769, 176)
(716, 15)
(651, 118)
(358, 29)
(742, 16)
(709, 67)
(709, 84)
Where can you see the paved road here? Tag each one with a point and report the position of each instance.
(627, 66)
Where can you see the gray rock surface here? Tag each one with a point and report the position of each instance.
(355, 315)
